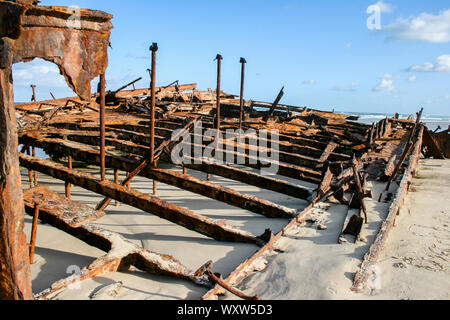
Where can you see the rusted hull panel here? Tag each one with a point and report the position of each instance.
(190, 220)
(361, 277)
(15, 275)
(67, 43)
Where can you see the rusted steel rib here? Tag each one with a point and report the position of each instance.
(250, 265)
(254, 179)
(206, 269)
(359, 189)
(371, 257)
(431, 143)
(121, 253)
(189, 183)
(104, 204)
(183, 217)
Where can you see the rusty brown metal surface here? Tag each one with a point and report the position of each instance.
(121, 253)
(27, 32)
(15, 276)
(183, 217)
(371, 257)
(83, 39)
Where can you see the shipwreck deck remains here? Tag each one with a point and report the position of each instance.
(133, 131)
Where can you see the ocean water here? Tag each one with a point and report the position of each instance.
(432, 122)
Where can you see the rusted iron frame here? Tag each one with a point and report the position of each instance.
(359, 190)
(104, 204)
(310, 147)
(435, 148)
(274, 105)
(102, 127)
(363, 274)
(408, 148)
(136, 256)
(30, 172)
(33, 152)
(33, 98)
(189, 183)
(228, 172)
(34, 230)
(241, 100)
(206, 269)
(153, 49)
(219, 59)
(244, 269)
(158, 207)
(287, 170)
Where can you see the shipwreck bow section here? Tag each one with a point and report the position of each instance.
(74, 39)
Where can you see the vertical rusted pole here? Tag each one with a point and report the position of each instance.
(102, 127)
(34, 172)
(184, 170)
(69, 159)
(116, 181)
(153, 49)
(34, 231)
(15, 278)
(33, 98)
(30, 172)
(243, 62)
(219, 59)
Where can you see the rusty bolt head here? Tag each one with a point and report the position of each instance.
(154, 47)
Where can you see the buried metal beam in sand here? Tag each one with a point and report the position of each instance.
(251, 264)
(371, 258)
(72, 218)
(218, 230)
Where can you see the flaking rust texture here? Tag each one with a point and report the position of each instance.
(77, 41)
(74, 39)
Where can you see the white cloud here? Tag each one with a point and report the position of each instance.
(384, 7)
(442, 65)
(38, 72)
(426, 27)
(309, 82)
(413, 78)
(386, 84)
(349, 88)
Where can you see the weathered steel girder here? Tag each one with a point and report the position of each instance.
(156, 206)
(227, 195)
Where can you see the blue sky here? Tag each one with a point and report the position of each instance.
(321, 51)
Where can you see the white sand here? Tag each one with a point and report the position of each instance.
(314, 266)
(414, 264)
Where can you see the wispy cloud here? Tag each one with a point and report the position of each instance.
(38, 72)
(386, 84)
(412, 78)
(425, 27)
(441, 65)
(309, 82)
(350, 88)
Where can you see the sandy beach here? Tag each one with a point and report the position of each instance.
(312, 265)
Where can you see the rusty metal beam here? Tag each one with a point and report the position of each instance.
(110, 242)
(370, 259)
(227, 195)
(156, 206)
